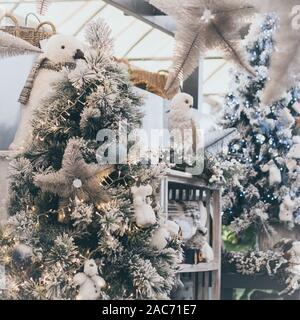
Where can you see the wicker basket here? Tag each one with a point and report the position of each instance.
(29, 34)
(150, 81)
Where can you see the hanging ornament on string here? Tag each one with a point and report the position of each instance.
(202, 26)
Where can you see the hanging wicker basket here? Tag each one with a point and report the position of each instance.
(149, 81)
(152, 82)
(29, 34)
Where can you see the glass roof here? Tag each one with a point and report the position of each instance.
(135, 40)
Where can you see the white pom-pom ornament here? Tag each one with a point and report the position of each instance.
(77, 183)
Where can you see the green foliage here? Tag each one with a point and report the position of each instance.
(234, 243)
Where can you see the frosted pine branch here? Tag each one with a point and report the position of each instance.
(98, 35)
(13, 46)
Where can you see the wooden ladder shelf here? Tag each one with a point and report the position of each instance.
(181, 186)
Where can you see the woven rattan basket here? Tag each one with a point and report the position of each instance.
(30, 34)
(149, 81)
(152, 82)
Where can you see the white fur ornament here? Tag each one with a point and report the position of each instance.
(296, 106)
(89, 281)
(59, 51)
(144, 213)
(291, 164)
(163, 234)
(295, 150)
(274, 172)
(286, 119)
(287, 208)
(173, 228)
(160, 238)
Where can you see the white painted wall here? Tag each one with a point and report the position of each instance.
(155, 116)
(13, 74)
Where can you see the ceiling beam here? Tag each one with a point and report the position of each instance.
(146, 13)
(140, 7)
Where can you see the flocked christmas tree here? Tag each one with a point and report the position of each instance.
(69, 212)
(266, 197)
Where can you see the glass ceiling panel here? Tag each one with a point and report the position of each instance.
(156, 43)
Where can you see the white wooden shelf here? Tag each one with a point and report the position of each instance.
(200, 267)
